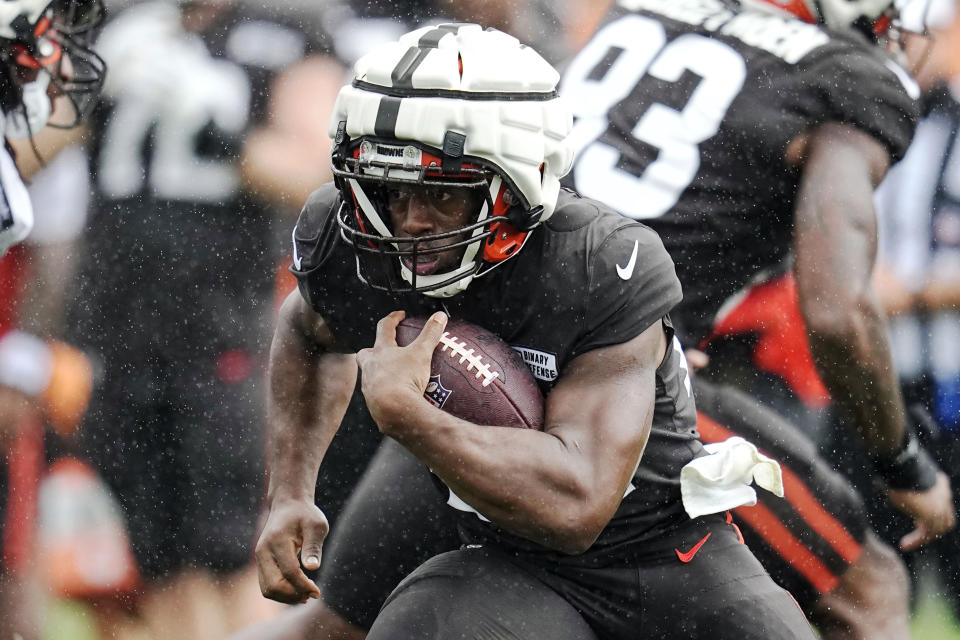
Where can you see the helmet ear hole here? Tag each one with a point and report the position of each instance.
(504, 240)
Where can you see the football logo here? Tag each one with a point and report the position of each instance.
(436, 393)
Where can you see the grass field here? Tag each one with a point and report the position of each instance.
(933, 621)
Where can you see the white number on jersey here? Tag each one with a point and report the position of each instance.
(642, 50)
(178, 94)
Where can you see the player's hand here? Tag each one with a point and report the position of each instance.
(393, 377)
(932, 512)
(293, 527)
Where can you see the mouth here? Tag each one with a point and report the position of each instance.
(425, 264)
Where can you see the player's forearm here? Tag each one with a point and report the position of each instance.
(531, 483)
(856, 367)
(941, 295)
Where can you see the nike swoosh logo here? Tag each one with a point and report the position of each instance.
(688, 556)
(626, 272)
(296, 256)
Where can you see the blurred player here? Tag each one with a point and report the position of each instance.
(44, 47)
(745, 137)
(918, 205)
(175, 294)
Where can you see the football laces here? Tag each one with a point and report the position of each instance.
(473, 359)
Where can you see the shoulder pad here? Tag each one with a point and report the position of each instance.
(572, 212)
(316, 231)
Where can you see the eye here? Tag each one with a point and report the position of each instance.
(398, 194)
(440, 195)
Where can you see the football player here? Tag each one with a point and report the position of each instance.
(174, 293)
(448, 149)
(747, 139)
(917, 282)
(44, 53)
(712, 123)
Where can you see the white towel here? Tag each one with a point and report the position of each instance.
(721, 480)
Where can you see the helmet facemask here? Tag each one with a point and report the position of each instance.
(54, 49)
(77, 25)
(376, 175)
(887, 23)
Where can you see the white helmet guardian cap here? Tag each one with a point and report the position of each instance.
(448, 105)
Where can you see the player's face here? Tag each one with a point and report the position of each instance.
(417, 211)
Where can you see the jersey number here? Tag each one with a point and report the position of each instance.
(214, 98)
(639, 51)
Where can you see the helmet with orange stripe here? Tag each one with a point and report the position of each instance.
(44, 43)
(877, 18)
(460, 117)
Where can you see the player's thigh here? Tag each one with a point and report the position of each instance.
(476, 593)
(133, 444)
(394, 521)
(722, 593)
(808, 539)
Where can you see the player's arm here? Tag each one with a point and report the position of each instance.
(941, 293)
(558, 487)
(32, 153)
(310, 381)
(835, 249)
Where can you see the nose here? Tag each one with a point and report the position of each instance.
(415, 217)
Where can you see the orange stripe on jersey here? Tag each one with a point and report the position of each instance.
(819, 519)
(799, 497)
(283, 282)
(771, 311)
(775, 533)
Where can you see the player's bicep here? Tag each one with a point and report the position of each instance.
(829, 142)
(308, 368)
(602, 409)
(297, 320)
(835, 239)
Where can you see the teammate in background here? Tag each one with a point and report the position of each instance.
(175, 293)
(918, 205)
(44, 53)
(447, 197)
(747, 138)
